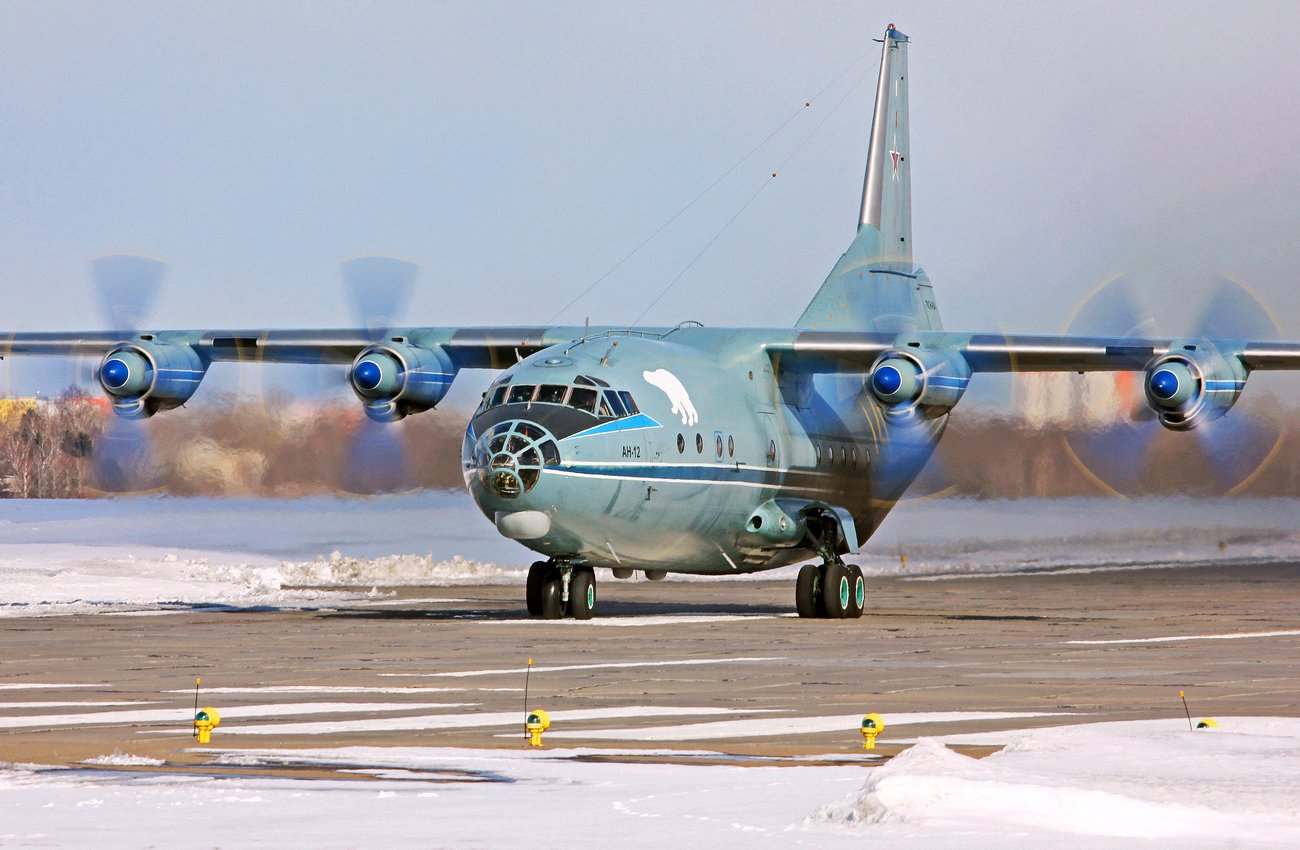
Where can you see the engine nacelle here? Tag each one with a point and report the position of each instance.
(142, 378)
(1193, 384)
(915, 377)
(396, 378)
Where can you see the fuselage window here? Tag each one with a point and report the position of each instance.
(632, 409)
(603, 409)
(550, 453)
(615, 403)
(718, 444)
(844, 458)
(771, 451)
(731, 446)
(582, 398)
(498, 396)
(520, 393)
(853, 454)
(699, 444)
(681, 444)
(819, 453)
(552, 393)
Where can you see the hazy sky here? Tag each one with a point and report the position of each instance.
(518, 150)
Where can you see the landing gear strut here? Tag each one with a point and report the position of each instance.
(556, 589)
(834, 591)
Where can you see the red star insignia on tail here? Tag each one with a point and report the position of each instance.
(895, 156)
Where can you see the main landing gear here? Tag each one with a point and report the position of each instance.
(833, 591)
(557, 589)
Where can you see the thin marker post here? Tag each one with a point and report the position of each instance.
(1188, 711)
(196, 702)
(527, 675)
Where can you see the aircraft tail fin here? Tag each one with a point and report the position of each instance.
(875, 285)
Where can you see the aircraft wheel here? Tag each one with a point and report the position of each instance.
(837, 591)
(808, 591)
(552, 596)
(536, 578)
(582, 594)
(857, 591)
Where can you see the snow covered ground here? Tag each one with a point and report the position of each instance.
(1108, 785)
(153, 552)
(1113, 785)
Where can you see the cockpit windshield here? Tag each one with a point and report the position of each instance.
(588, 394)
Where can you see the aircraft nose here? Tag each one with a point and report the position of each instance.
(510, 456)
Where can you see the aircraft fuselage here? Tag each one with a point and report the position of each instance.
(654, 453)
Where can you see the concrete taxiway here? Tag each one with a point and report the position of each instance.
(673, 667)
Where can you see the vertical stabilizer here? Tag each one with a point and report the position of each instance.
(887, 189)
(875, 285)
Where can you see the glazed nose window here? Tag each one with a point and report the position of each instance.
(511, 456)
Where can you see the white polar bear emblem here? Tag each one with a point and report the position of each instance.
(677, 394)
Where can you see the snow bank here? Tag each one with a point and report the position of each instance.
(1110, 785)
(1148, 780)
(339, 570)
(121, 759)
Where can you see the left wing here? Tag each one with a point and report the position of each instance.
(395, 372)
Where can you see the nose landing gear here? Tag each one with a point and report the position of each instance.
(559, 588)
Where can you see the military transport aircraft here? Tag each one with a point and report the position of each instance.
(701, 450)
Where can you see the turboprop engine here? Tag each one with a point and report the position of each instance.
(396, 378)
(931, 382)
(1193, 384)
(142, 378)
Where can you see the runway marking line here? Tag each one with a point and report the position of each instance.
(182, 715)
(1175, 638)
(614, 665)
(464, 720)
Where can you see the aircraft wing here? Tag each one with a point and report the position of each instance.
(468, 347)
(395, 371)
(801, 351)
(848, 351)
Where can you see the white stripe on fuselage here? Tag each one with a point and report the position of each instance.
(655, 479)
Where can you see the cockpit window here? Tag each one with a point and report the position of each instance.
(520, 393)
(615, 403)
(582, 398)
(590, 395)
(552, 393)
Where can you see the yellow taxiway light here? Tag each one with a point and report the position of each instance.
(205, 721)
(537, 722)
(872, 725)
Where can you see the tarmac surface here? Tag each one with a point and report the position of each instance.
(673, 668)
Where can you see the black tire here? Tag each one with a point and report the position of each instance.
(857, 592)
(582, 594)
(552, 597)
(808, 591)
(837, 591)
(533, 595)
